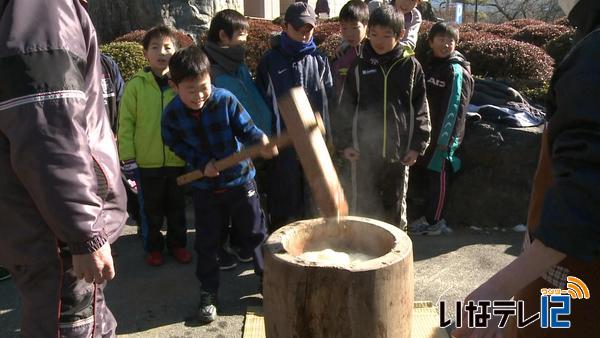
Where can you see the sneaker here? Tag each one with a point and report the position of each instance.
(207, 310)
(4, 274)
(154, 258)
(240, 254)
(418, 226)
(226, 261)
(182, 255)
(435, 229)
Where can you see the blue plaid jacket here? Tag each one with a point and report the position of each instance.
(218, 130)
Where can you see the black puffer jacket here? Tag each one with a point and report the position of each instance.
(384, 113)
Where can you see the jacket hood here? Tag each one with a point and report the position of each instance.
(369, 55)
(455, 58)
(147, 75)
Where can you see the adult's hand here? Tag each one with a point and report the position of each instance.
(488, 291)
(95, 267)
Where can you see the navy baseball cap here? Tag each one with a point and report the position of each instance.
(299, 13)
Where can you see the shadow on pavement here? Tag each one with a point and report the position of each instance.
(426, 247)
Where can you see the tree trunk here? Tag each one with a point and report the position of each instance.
(372, 298)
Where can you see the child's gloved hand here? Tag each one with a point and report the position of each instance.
(129, 169)
(351, 154)
(269, 151)
(210, 170)
(410, 158)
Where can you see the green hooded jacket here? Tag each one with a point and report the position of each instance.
(139, 133)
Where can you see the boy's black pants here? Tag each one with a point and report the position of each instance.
(164, 198)
(213, 211)
(435, 186)
(289, 196)
(380, 190)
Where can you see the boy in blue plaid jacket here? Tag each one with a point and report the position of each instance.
(201, 125)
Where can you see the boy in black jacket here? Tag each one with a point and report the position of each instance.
(449, 90)
(382, 125)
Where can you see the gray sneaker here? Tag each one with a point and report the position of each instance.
(207, 310)
(418, 226)
(422, 228)
(435, 229)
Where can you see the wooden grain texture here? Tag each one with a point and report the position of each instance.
(369, 299)
(313, 153)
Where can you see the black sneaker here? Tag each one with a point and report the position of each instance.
(4, 274)
(241, 255)
(226, 261)
(207, 310)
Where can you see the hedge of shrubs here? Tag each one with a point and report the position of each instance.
(331, 44)
(505, 58)
(183, 40)
(522, 23)
(558, 47)
(259, 36)
(492, 49)
(540, 35)
(128, 55)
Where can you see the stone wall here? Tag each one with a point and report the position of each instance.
(113, 18)
(493, 187)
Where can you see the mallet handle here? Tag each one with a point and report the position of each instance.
(281, 141)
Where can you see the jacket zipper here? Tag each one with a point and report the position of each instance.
(160, 125)
(385, 90)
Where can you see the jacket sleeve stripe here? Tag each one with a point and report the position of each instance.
(40, 97)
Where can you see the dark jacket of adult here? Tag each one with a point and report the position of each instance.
(563, 212)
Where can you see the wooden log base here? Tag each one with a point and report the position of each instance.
(373, 298)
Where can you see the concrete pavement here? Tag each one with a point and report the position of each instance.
(161, 302)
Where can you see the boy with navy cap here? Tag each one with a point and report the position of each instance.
(293, 61)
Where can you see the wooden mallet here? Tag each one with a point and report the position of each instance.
(313, 153)
(282, 141)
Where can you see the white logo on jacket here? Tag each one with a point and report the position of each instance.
(369, 71)
(436, 82)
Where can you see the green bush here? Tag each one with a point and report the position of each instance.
(540, 35)
(128, 55)
(503, 58)
(558, 47)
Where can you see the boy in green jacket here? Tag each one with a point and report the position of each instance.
(145, 159)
